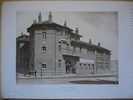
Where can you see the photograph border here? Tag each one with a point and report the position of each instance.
(68, 0)
(96, 67)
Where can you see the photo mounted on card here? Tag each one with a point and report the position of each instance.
(67, 47)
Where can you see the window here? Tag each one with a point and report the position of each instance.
(59, 47)
(93, 67)
(67, 44)
(43, 49)
(59, 41)
(59, 60)
(43, 65)
(59, 63)
(44, 35)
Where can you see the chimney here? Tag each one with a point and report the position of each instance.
(65, 23)
(40, 17)
(90, 41)
(34, 21)
(77, 30)
(99, 44)
(22, 33)
(50, 17)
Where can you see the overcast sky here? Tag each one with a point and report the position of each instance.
(99, 26)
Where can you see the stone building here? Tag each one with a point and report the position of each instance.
(56, 49)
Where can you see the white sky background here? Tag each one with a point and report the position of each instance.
(99, 26)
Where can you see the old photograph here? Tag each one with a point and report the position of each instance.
(66, 47)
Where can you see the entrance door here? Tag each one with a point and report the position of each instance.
(70, 67)
(70, 62)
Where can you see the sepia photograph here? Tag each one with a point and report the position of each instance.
(66, 47)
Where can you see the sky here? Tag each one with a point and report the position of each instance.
(98, 26)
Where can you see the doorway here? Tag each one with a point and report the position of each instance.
(70, 63)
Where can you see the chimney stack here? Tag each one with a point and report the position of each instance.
(50, 17)
(77, 30)
(90, 41)
(65, 23)
(40, 17)
(99, 44)
(34, 21)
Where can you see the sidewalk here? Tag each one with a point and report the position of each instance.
(66, 76)
(70, 77)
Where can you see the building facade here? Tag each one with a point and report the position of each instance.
(55, 49)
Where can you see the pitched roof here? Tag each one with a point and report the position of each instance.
(89, 46)
(52, 25)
